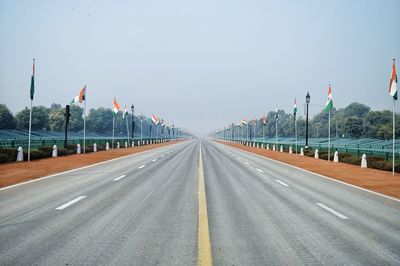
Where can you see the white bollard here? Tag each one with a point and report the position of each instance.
(301, 152)
(94, 147)
(316, 154)
(107, 146)
(126, 144)
(78, 148)
(267, 146)
(118, 145)
(133, 144)
(54, 153)
(20, 154)
(281, 149)
(336, 157)
(262, 146)
(273, 147)
(364, 161)
(290, 150)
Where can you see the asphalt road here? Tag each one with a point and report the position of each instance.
(144, 210)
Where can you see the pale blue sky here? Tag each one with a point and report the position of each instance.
(199, 64)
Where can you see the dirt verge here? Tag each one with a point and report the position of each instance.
(13, 173)
(372, 179)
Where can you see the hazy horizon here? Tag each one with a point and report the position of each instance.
(199, 65)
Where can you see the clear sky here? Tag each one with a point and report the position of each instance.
(199, 64)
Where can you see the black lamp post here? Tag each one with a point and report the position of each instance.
(307, 102)
(133, 120)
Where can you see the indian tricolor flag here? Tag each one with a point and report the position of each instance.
(329, 102)
(125, 113)
(264, 120)
(244, 122)
(393, 81)
(115, 106)
(155, 119)
(294, 108)
(80, 97)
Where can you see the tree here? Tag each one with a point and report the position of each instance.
(354, 127)
(40, 118)
(100, 120)
(76, 119)
(356, 109)
(7, 120)
(57, 120)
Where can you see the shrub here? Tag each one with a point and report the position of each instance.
(8, 155)
(35, 155)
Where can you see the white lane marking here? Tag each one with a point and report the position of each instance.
(154, 160)
(282, 183)
(323, 176)
(338, 214)
(259, 170)
(247, 163)
(238, 158)
(83, 167)
(142, 166)
(119, 178)
(69, 203)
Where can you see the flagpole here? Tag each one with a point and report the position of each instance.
(141, 128)
(112, 145)
(329, 135)
(254, 133)
(295, 131)
(393, 162)
(84, 123)
(127, 128)
(30, 112)
(276, 134)
(29, 137)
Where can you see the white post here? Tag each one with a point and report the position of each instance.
(54, 153)
(364, 163)
(329, 136)
(316, 154)
(30, 129)
(336, 157)
(94, 147)
(20, 154)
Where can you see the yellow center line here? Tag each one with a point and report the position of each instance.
(204, 245)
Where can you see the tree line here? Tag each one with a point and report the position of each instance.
(354, 121)
(98, 120)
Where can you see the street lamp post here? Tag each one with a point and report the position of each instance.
(133, 120)
(307, 102)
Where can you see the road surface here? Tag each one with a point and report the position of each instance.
(144, 210)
